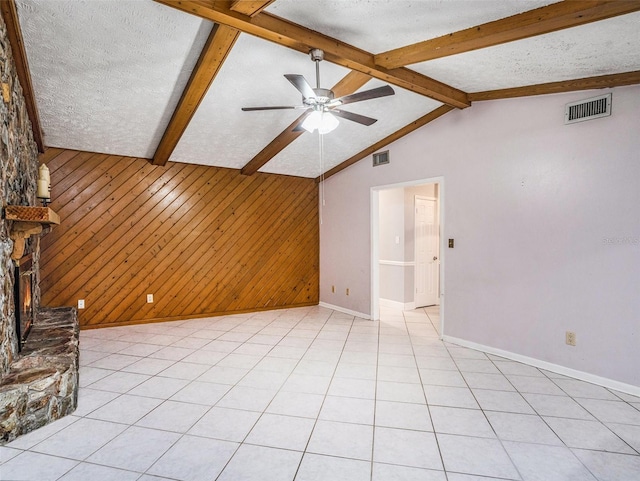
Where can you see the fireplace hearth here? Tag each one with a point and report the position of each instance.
(41, 384)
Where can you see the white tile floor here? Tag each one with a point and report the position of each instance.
(315, 395)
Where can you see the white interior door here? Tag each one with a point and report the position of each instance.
(426, 252)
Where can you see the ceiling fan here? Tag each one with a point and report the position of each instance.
(322, 104)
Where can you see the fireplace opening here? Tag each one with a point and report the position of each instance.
(23, 294)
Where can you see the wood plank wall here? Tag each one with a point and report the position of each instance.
(203, 240)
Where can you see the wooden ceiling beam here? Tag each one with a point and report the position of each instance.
(215, 52)
(550, 18)
(281, 31)
(348, 85)
(250, 7)
(284, 138)
(10, 16)
(588, 83)
(213, 55)
(416, 124)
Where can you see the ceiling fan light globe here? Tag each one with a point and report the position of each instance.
(312, 122)
(327, 124)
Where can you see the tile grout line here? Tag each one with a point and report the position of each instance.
(241, 443)
(375, 402)
(277, 392)
(315, 423)
(537, 414)
(435, 436)
(566, 394)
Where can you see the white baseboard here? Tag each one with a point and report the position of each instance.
(548, 366)
(345, 310)
(407, 306)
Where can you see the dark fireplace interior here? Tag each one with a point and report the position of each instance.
(23, 291)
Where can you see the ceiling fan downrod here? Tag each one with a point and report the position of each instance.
(322, 96)
(317, 55)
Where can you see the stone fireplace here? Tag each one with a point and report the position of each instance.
(38, 373)
(41, 385)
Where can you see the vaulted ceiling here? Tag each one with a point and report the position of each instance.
(166, 80)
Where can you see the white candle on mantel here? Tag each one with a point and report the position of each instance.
(44, 181)
(43, 173)
(43, 189)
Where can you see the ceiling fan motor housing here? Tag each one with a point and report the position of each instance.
(320, 100)
(323, 96)
(316, 54)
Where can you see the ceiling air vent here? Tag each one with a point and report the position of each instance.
(381, 158)
(588, 109)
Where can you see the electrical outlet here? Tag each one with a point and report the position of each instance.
(570, 338)
(347, 291)
(80, 303)
(149, 298)
(333, 289)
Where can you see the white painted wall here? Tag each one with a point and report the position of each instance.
(392, 225)
(392, 216)
(546, 222)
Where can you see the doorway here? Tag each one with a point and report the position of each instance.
(426, 240)
(402, 255)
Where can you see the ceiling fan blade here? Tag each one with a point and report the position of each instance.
(301, 84)
(361, 119)
(366, 95)
(277, 107)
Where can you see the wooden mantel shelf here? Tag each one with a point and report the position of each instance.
(25, 213)
(27, 221)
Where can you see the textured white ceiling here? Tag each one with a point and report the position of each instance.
(223, 135)
(252, 76)
(601, 48)
(108, 74)
(380, 25)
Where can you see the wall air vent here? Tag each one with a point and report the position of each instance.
(381, 158)
(588, 109)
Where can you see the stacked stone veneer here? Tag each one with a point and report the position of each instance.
(42, 384)
(39, 384)
(18, 171)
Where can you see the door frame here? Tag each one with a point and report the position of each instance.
(375, 242)
(415, 245)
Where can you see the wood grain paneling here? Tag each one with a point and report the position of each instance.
(203, 240)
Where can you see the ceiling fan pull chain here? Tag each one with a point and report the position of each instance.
(321, 187)
(322, 163)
